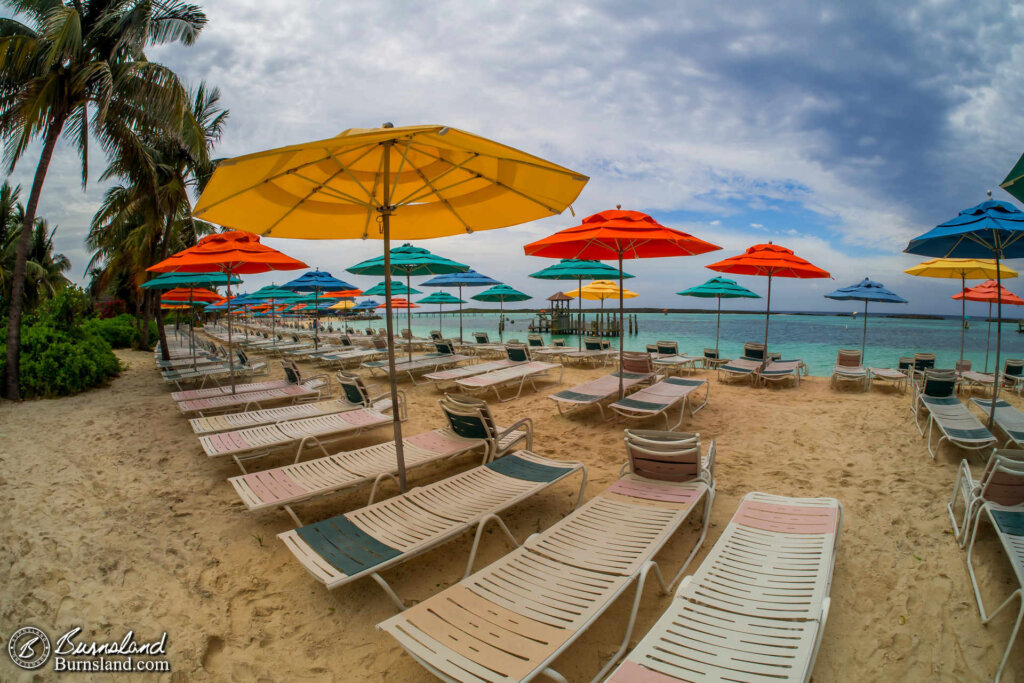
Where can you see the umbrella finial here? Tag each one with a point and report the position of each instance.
(387, 124)
(618, 206)
(989, 193)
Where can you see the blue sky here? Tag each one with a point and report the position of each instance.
(837, 129)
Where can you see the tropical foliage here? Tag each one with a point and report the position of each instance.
(74, 67)
(44, 270)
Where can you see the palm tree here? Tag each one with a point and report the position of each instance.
(44, 270)
(79, 65)
(151, 211)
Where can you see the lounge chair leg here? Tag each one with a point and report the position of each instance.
(295, 517)
(376, 483)
(387, 589)
(479, 534)
(239, 463)
(705, 523)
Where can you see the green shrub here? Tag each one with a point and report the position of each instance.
(120, 331)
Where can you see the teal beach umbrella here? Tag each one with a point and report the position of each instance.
(719, 288)
(440, 298)
(397, 289)
(579, 270)
(501, 294)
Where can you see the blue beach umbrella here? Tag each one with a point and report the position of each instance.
(316, 281)
(365, 305)
(719, 288)
(989, 230)
(470, 278)
(866, 290)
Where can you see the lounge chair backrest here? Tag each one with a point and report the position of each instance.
(753, 350)
(558, 342)
(468, 417)
(481, 338)
(669, 348)
(592, 343)
(1003, 479)
(369, 331)
(406, 334)
(905, 363)
(445, 347)
(848, 358)
(295, 338)
(345, 340)
(711, 353)
(354, 389)
(637, 362)
(436, 335)
(939, 383)
(517, 353)
(605, 344)
(379, 343)
(291, 372)
(962, 365)
(349, 330)
(1014, 367)
(242, 358)
(666, 456)
(652, 348)
(535, 340)
(924, 361)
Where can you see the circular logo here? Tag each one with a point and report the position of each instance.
(29, 647)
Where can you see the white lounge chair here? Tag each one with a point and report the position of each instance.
(848, 369)
(637, 371)
(523, 371)
(740, 368)
(658, 398)
(778, 371)
(1002, 482)
(1008, 419)
(934, 398)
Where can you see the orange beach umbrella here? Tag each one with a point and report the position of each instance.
(399, 302)
(232, 252)
(991, 292)
(191, 294)
(769, 260)
(618, 235)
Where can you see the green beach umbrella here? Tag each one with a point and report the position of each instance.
(397, 289)
(175, 280)
(719, 288)
(501, 294)
(407, 260)
(440, 298)
(579, 270)
(469, 278)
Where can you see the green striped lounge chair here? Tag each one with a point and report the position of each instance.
(756, 608)
(365, 542)
(1008, 524)
(947, 414)
(511, 620)
(778, 371)
(636, 370)
(1002, 482)
(523, 372)
(741, 368)
(659, 398)
(1008, 418)
(713, 358)
(1013, 374)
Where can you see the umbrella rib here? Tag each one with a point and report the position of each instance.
(415, 195)
(448, 205)
(369, 210)
(296, 205)
(397, 173)
(524, 162)
(332, 191)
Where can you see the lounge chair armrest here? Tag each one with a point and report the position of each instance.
(624, 469)
(708, 463)
(525, 422)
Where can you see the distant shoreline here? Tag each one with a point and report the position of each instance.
(832, 314)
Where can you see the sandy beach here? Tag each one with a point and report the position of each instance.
(115, 520)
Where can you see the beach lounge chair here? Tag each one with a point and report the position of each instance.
(482, 345)
(442, 378)
(257, 442)
(1002, 482)
(755, 351)
(922, 362)
(945, 411)
(1008, 418)
(512, 619)
(755, 609)
(658, 398)
(781, 371)
(637, 370)
(680, 362)
(443, 358)
(355, 356)
(848, 369)
(292, 376)
(556, 349)
(897, 378)
(522, 372)
(254, 418)
(1013, 374)
(962, 366)
(367, 541)
(663, 348)
(594, 352)
(969, 379)
(244, 367)
(712, 359)
(470, 427)
(740, 368)
(1008, 524)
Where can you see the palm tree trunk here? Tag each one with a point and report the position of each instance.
(17, 304)
(165, 352)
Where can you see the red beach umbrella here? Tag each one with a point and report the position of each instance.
(190, 294)
(232, 252)
(399, 302)
(769, 260)
(618, 235)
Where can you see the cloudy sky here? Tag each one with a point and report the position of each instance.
(837, 129)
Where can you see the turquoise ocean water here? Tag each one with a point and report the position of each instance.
(814, 338)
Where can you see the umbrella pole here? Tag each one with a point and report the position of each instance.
(460, 314)
(231, 352)
(718, 324)
(621, 342)
(864, 336)
(988, 335)
(396, 419)
(963, 316)
(579, 299)
(501, 317)
(999, 325)
(191, 329)
(408, 310)
(767, 316)
(316, 318)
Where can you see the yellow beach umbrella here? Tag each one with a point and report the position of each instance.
(409, 183)
(342, 305)
(962, 269)
(601, 290)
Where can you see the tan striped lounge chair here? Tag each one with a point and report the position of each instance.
(515, 356)
(658, 398)
(367, 541)
(522, 372)
(257, 442)
(848, 369)
(636, 370)
(292, 376)
(755, 610)
(741, 368)
(512, 619)
(778, 371)
(895, 377)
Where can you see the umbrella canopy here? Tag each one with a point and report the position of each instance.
(719, 288)
(172, 280)
(579, 270)
(618, 235)
(365, 304)
(414, 182)
(501, 294)
(990, 292)
(441, 298)
(273, 293)
(399, 302)
(316, 281)
(989, 230)
(866, 290)
(232, 252)
(469, 278)
(378, 290)
(770, 260)
(1014, 181)
(344, 293)
(342, 305)
(191, 295)
(601, 290)
(963, 269)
